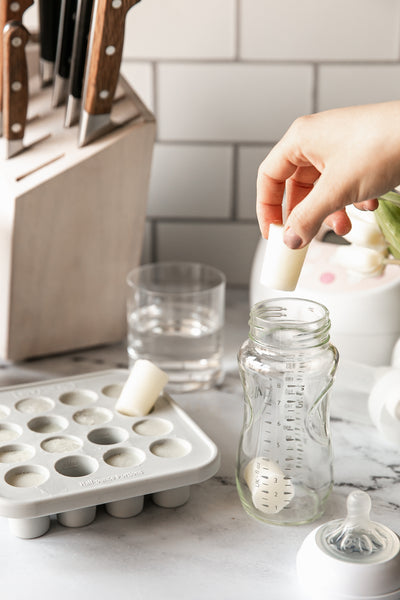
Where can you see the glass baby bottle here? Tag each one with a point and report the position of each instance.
(287, 366)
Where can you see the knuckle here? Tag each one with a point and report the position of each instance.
(300, 125)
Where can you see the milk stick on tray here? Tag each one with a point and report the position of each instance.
(141, 390)
(282, 265)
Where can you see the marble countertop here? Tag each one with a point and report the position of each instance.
(208, 548)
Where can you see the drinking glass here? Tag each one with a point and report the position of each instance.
(175, 313)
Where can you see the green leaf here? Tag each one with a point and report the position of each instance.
(388, 218)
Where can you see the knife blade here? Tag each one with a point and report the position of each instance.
(102, 68)
(49, 18)
(64, 50)
(15, 92)
(10, 10)
(79, 48)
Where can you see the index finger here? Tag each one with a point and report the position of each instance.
(272, 175)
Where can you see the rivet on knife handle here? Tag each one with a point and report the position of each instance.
(15, 79)
(10, 10)
(103, 65)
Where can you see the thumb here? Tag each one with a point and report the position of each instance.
(327, 197)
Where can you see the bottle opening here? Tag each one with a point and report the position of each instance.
(284, 322)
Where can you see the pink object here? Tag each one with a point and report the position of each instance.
(327, 277)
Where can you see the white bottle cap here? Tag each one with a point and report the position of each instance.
(352, 558)
(282, 266)
(142, 388)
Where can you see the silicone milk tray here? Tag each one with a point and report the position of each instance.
(65, 449)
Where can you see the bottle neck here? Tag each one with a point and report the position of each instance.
(287, 324)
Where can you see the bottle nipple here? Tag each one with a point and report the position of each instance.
(356, 538)
(351, 558)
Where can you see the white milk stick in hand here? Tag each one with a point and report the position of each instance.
(282, 265)
(141, 390)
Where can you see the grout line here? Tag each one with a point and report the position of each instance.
(398, 39)
(358, 63)
(237, 31)
(176, 61)
(235, 182)
(154, 82)
(194, 220)
(315, 87)
(228, 143)
(194, 142)
(264, 61)
(153, 240)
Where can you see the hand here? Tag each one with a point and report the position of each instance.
(327, 161)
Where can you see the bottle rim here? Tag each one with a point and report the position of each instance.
(306, 321)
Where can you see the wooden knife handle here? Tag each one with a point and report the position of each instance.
(10, 10)
(105, 53)
(15, 78)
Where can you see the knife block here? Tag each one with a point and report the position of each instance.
(71, 227)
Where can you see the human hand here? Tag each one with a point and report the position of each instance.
(327, 161)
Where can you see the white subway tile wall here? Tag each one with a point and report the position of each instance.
(191, 181)
(349, 84)
(249, 159)
(182, 29)
(141, 73)
(235, 102)
(225, 79)
(319, 30)
(227, 246)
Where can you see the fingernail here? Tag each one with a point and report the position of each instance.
(291, 239)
